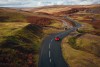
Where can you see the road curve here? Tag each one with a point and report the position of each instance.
(51, 54)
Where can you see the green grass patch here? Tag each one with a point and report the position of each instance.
(72, 42)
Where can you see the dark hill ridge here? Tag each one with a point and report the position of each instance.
(39, 20)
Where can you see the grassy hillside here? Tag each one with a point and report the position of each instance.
(11, 16)
(60, 9)
(81, 48)
(80, 58)
(19, 44)
(70, 10)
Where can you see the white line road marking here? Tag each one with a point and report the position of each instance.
(50, 43)
(49, 46)
(50, 60)
(43, 47)
(49, 53)
(49, 49)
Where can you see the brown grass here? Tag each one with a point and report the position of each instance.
(78, 58)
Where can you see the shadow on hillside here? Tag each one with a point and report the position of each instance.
(13, 44)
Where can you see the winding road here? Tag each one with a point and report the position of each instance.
(51, 54)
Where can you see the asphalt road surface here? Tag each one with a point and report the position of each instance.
(50, 53)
